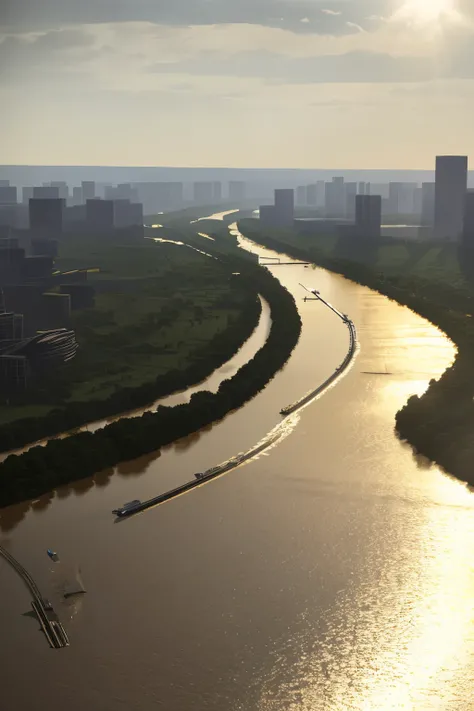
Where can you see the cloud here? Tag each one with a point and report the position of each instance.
(28, 51)
(351, 67)
(272, 13)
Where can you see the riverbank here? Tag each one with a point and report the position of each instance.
(165, 318)
(439, 423)
(62, 461)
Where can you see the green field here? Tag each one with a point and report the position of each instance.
(156, 306)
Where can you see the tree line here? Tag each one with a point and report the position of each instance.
(440, 423)
(62, 461)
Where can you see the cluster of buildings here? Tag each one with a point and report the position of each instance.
(442, 210)
(50, 210)
(98, 207)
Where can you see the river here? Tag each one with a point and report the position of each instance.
(334, 572)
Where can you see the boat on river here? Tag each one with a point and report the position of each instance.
(127, 508)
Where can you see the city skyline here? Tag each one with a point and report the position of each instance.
(332, 84)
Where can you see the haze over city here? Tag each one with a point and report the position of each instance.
(237, 355)
(261, 83)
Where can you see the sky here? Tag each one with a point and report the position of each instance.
(363, 84)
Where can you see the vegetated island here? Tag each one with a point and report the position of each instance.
(437, 282)
(165, 317)
(81, 455)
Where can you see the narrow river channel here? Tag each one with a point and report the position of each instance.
(333, 572)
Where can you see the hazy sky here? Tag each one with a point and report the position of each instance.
(242, 83)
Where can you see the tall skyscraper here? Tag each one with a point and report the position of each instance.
(450, 193)
(285, 207)
(427, 203)
(368, 216)
(468, 219)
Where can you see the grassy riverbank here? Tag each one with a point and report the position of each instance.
(65, 460)
(164, 318)
(436, 281)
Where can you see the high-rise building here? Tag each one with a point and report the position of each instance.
(301, 195)
(26, 195)
(350, 192)
(8, 195)
(468, 219)
(285, 207)
(46, 215)
(100, 214)
(450, 193)
(418, 201)
(46, 192)
(335, 198)
(394, 198)
(63, 189)
(312, 194)
(427, 203)
(4, 184)
(236, 191)
(77, 196)
(368, 216)
(267, 215)
(361, 188)
(88, 190)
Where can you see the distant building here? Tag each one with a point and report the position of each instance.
(46, 215)
(46, 192)
(368, 216)
(301, 195)
(63, 189)
(77, 196)
(335, 198)
(216, 192)
(88, 190)
(350, 192)
(427, 203)
(312, 195)
(127, 214)
(236, 191)
(361, 188)
(8, 195)
(100, 215)
(159, 197)
(26, 195)
(203, 193)
(450, 193)
(4, 183)
(267, 215)
(285, 207)
(44, 247)
(468, 221)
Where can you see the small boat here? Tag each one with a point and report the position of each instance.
(53, 555)
(127, 508)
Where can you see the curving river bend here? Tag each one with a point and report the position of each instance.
(334, 573)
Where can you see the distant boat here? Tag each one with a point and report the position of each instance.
(53, 555)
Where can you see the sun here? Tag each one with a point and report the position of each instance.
(428, 11)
